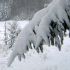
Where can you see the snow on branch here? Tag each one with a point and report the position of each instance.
(47, 26)
(53, 24)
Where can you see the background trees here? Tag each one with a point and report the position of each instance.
(11, 32)
(20, 9)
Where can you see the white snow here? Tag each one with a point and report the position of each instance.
(56, 13)
(21, 24)
(51, 59)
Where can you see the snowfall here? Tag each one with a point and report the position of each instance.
(50, 59)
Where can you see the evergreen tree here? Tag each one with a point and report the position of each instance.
(13, 31)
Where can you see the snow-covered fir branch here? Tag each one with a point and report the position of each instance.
(46, 27)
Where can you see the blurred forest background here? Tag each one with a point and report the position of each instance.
(20, 9)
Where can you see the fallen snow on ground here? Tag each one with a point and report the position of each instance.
(51, 59)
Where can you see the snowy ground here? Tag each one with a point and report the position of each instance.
(51, 59)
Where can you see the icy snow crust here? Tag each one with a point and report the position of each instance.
(47, 27)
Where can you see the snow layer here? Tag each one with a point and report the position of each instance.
(51, 59)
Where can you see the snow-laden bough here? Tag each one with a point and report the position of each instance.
(47, 26)
(27, 36)
(53, 25)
